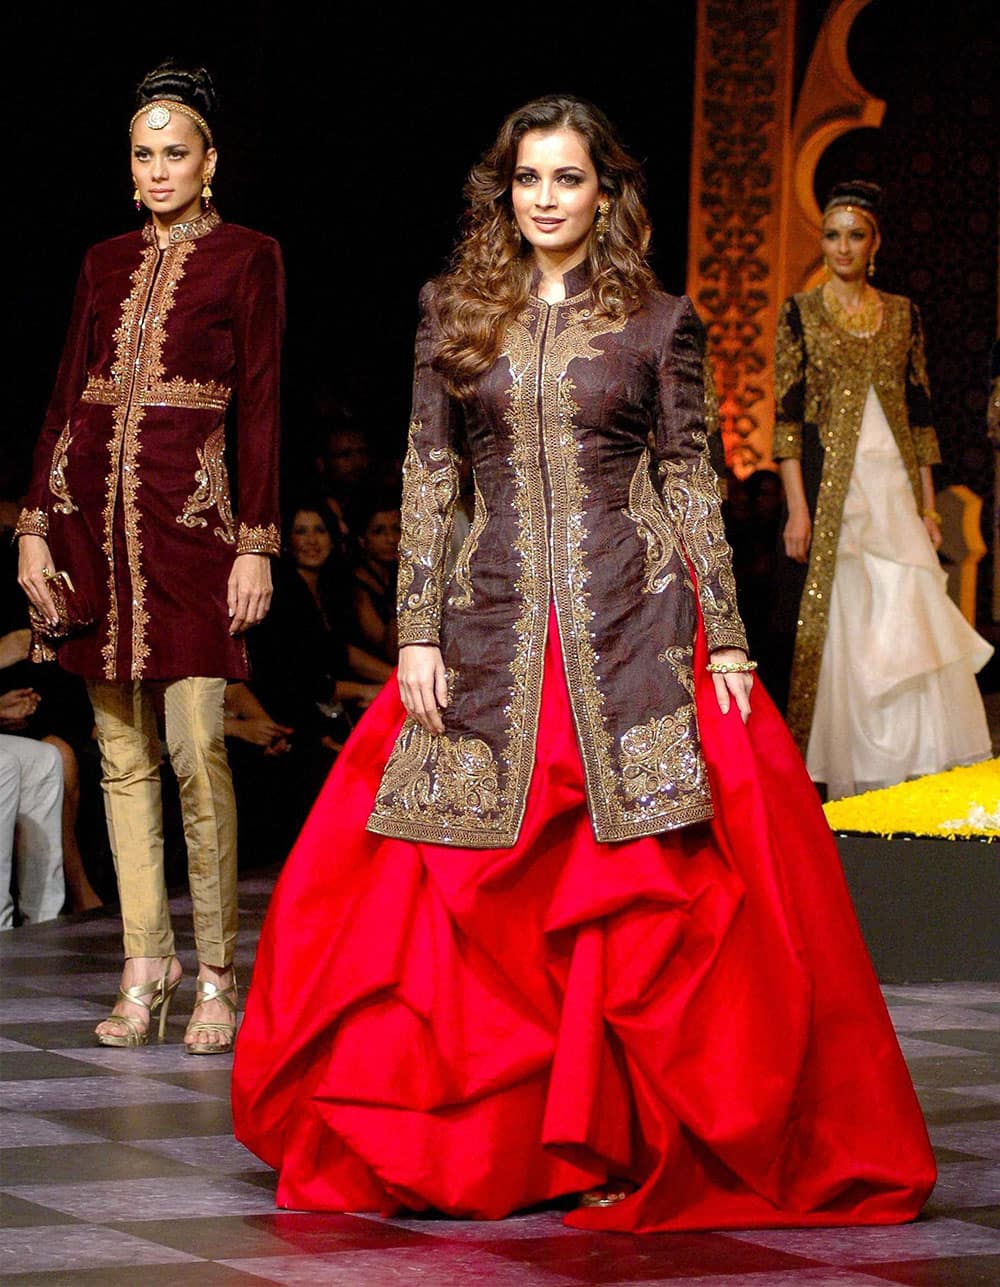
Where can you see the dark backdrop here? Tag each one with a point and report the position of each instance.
(347, 138)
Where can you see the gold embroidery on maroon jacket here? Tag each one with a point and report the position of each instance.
(138, 354)
(212, 479)
(57, 473)
(258, 540)
(430, 490)
(32, 522)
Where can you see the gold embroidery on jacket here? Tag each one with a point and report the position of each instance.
(680, 658)
(691, 496)
(139, 342)
(836, 370)
(32, 522)
(429, 496)
(258, 540)
(212, 479)
(451, 782)
(618, 813)
(470, 815)
(645, 509)
(57, 473)
(462, 572)
(661, 763)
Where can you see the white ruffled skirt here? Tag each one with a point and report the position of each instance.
(897, 697)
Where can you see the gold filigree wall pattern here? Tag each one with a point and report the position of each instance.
(753, 220)
(741, 111)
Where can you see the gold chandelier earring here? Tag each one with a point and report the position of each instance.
(206, 188)
(871, 265)
(603, 223)
(135, 195)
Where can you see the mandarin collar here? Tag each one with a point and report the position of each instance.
(575, 282)
(205, 223)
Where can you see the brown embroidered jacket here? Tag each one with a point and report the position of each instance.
(130, 485)
(822, 377)
(593, 490)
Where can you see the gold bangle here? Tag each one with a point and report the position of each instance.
(933, 515)
(730, 667)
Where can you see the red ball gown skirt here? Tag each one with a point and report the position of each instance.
(475, 1031)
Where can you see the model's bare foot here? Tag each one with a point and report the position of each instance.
(213, 1019)
(137, 971)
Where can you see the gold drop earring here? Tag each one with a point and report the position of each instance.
(603, 221)
(871, 265)
(206, 188)
(135, 195)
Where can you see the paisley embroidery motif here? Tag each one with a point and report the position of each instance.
(645, 509)
(661, 762)
(440, 781)
(462, 574)
(212, 479)
(429, 496)
(57, 473)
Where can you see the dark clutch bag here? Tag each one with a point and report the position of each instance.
(74, 618)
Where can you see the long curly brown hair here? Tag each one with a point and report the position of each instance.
(489, 280)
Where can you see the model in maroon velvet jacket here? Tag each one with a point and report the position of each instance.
(130, 485)
(130, 496)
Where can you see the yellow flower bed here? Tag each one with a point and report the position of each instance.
(961, 802)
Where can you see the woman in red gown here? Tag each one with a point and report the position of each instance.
(570, 921)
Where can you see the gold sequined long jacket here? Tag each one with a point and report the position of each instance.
(593, 491)
(130, 483)
(822, 377)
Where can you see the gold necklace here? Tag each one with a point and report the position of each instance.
(864, 321)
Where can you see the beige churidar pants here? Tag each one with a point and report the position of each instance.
(130, 752)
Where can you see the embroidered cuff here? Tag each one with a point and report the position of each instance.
(258, 540)
(787, 443)
(32, 522)
(726, 636)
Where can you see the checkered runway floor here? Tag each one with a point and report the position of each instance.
(118, 1166)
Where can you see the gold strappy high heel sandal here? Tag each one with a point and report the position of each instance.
(212, 992)
(160, 993)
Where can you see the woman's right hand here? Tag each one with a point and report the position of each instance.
(423, 685)
(33, 560)
(798, 535)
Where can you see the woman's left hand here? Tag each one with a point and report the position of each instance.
(249, 591)
(734, 686)
(933, 531)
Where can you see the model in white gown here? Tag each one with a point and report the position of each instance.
(897, 697)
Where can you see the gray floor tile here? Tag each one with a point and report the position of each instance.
(17, 1213)
(880, 1243)
(968, 1184)
(213, 1152)
(977, 1139)
(156, 1199)
(106, 1160)
(30, 1065)
(49, 1009)
(923, 1017)
(143, 1121)
(79, 1246)
(94, 1092)
(917, 1047)
(541, 1224)
(435, 1266)
(24, 1130)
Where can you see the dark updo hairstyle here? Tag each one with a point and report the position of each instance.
(864, 196)
(191, 86)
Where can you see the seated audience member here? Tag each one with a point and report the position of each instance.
(344, 464)
(307, 685)
(31, 791)
(62, 717)
(375, 575)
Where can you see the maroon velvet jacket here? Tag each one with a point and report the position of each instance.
(593, 490)
(130, 485)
